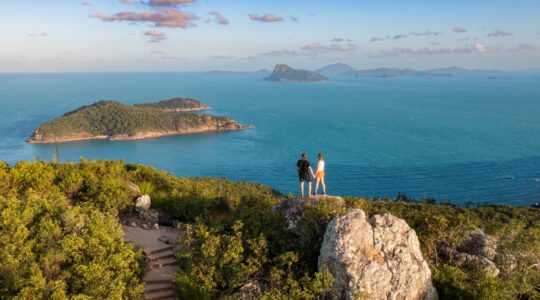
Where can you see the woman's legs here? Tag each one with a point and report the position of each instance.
(323, 185)
(317, 185)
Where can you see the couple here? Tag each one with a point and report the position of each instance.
(304, 169)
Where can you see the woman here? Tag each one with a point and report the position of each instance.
(319, 175)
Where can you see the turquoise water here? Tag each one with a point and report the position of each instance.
(462, 138)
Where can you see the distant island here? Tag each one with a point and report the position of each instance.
(112, 120)
(335, 69)
(346, 70)
(392, 73)
(260, 73)
(284, 73)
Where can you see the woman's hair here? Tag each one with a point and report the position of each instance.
(320, 155)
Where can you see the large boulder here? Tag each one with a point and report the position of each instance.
(143, 202)
(294, 209)
(375, 258)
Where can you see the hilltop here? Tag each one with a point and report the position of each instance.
(285, 73)
(112, 120)
(60, 237)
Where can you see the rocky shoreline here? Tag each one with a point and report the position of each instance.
(38, 139)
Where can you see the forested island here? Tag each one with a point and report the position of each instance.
(60, 238)
(112, 120)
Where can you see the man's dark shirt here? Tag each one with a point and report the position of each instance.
(303, 166)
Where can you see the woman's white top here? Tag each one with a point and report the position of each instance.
(320, 166)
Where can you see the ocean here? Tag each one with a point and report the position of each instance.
(463, 138)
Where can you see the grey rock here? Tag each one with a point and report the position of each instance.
(477, 263)
(376, 258)
(149, 216)
(479, 244)
(251, 290)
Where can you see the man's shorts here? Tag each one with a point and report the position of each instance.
(304, 177)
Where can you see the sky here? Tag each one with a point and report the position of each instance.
(199, 35)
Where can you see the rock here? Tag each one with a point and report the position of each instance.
(134, 188)
(293, 209)
(142, 202)
(477, 263)
(150, 216)
(250, 290)
(376, 258)
(479, 244)
(156, 226)
(536, 205)
(133, 224)
(146, 226)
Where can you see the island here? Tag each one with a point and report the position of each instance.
(112, 120)
(393, 73)
(335, 69)
(284, 73)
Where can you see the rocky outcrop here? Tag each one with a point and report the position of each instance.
(293, 209)
(283, 72)
(375, 258)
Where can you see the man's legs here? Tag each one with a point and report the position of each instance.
(302, 188)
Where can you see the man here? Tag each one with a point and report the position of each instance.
(304, 169)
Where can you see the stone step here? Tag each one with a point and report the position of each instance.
(158, 250)
(170, 294)
(160, 274)
(160, 263)
(159, 287)
(161, 255)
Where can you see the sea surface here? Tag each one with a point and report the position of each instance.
(461, 138)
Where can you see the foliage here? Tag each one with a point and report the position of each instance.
(61, 239)
(176, 104)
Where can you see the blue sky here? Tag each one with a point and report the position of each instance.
(186, 35)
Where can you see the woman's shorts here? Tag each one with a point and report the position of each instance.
(319, 175)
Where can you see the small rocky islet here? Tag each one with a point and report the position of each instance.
(112, 120)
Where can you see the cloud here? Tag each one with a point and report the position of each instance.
(399, 36)
(436, 50)
(317, 48)
(499, 33)
(463, 39)
(168, 3)
(377, 39)
(279, 53)
(267, 18)
(427, 32)
(86, 3)
(483, 49)
(523, 47)
(222, 57)
(219, 18)
(156, 36)
(41, 34)
(157, 52)
(459, 30)
(293, 18)
(128, 2)
(340, 40)
(172, 58)
(168, 18)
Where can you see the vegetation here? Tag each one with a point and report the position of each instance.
(176, 104)
(60, 238)
(113, 119)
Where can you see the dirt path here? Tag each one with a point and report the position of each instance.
(159, 246)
